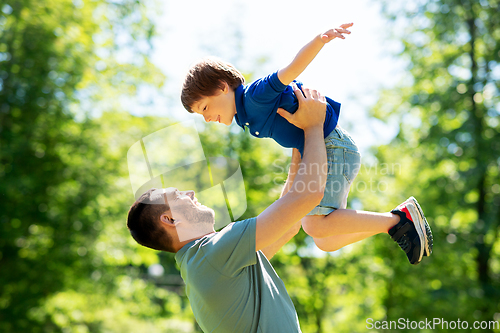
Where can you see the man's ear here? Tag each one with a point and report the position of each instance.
(167, 219)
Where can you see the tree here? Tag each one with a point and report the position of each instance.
(447, 150)
(54, 168)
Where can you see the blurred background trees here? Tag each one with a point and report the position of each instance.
(67, 262)
(448, 147)
(61, 171)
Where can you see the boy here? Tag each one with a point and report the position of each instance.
(216, 90)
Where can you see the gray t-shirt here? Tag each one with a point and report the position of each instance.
(231, 287)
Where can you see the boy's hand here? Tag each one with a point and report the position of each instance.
(336, 33)
(311, 111)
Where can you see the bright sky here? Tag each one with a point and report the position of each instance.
(350, 71)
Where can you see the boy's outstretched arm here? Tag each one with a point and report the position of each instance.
(309, 52)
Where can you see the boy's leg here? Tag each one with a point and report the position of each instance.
(333, 243)
(348, 221)
(406, 224)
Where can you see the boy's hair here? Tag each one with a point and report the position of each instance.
(144, 221)
(205, 77)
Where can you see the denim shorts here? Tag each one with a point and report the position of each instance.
(343, 160)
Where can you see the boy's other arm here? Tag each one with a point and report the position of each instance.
(307, 189)
(308, 53)
(270, 250)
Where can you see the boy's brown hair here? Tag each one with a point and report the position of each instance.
(205, 77)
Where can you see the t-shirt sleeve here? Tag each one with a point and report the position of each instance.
(233, 248)
(266, 90)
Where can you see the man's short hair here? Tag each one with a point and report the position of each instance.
(144, 221)
(205, 77)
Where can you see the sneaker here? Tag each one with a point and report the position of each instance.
(409, 233)
(428, 232)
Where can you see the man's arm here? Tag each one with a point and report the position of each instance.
(307, 189)
(270, 251)
(309, 52)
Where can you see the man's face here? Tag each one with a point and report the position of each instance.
(185, 207)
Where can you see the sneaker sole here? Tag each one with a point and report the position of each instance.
(419, 226)
(427, 228)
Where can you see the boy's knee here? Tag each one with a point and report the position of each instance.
(325, 244)
(310, 225)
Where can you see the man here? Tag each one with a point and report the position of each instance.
(230, 283)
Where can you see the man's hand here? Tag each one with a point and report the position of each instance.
(336, 33)
(311, 111)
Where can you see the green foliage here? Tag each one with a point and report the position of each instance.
(447, 150)
(40, 188)
(61, 172)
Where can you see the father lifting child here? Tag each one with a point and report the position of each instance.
(216, 90)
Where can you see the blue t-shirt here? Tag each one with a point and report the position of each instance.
(231, 287)
(256, 106)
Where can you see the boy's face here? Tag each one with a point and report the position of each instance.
(218, 108)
